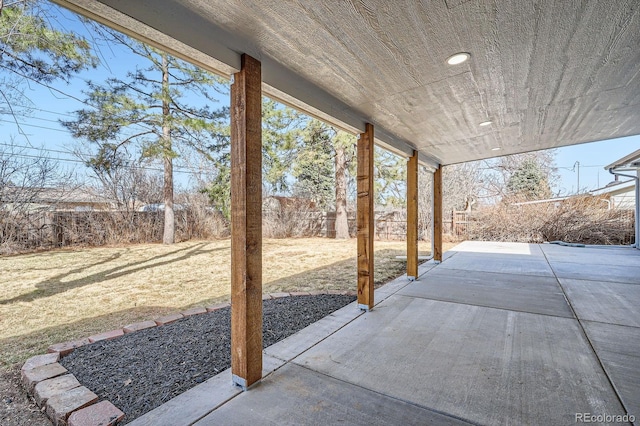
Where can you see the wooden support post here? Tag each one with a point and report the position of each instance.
(412, 216)
(365, 219)
(246, 224)
(437, 215)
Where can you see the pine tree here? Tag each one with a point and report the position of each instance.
(326, 151)
(313, 166)
(529, 181)
(390, 174)
(32, 49)
(150, 108)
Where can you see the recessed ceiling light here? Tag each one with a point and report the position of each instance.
(485, 123)
(495, 149)
(458, 58)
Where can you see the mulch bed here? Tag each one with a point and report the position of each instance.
(140, 371)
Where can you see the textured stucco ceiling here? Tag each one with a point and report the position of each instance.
(546, 73)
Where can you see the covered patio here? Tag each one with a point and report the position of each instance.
(498, 333)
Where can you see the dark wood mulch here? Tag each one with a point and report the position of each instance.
(140, 371)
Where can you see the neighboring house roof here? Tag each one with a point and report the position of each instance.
(54, 196)
(616, 188)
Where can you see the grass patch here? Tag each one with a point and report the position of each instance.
(61, 295)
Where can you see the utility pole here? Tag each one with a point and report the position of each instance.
(577, 163)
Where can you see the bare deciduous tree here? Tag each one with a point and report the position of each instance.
(24, 180)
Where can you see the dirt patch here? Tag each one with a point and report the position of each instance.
(16, 408)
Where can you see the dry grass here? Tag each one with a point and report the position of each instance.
(62, 295)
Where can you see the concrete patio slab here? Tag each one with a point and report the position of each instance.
(294, 345)
(617, 347)
(489, 365)
(520, 264)
(613, 303)
(498, 247)
(592, 255)
(295, 395)
(524, 293)
(629, 274)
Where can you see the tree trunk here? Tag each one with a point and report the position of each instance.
(341, 223)
(168, 236)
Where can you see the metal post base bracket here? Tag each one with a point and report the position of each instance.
(363, 307)
(242, 383)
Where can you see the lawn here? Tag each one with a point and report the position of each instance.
(62, 295)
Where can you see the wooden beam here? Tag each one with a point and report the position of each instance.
(437, 215)
(365, 219)
(246, 224)
(412, 216)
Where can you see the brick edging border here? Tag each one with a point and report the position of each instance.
(63, 398)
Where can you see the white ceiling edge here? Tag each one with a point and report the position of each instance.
(279, 83)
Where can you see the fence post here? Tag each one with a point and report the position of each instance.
(58, 229)
(454, 230)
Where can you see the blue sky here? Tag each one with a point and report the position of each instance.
(43, 130)
(593, 157)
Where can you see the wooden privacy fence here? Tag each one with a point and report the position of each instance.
(457, 225)
(37, 230)
(31, 230)
(389, 225)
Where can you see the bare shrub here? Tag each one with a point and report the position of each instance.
(583, 219)
(30, 231)
(200, 220)
(28, 182)
(127, 227)
(291, 219)
(113, 227)
(23, 231)
(507, 222)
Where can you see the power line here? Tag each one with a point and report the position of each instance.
(581, 166)
(180, 170)
(36, 148)
(28, 117)
(44, 110)
(70, 160)
(34, 125)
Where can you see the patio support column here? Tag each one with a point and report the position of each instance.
(412, 216)
(246, 224)
(365, 219)
(637, 212)
(437, 215)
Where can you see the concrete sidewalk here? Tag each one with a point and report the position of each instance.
(499, 333)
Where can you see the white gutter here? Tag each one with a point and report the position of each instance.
(637, 213)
